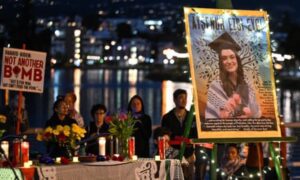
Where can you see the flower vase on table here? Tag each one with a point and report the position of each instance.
(123, 147)
(61, 140)
(121, 126)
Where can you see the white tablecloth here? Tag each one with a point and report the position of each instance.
(140, 170)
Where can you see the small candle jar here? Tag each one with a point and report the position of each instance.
(134, 157)
(58, 160)
(157, 158)
(75, 159)
(5, 147)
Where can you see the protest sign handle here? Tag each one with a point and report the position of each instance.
(20, 100)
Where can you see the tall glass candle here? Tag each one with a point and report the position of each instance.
(25, 151)
(131, 147)
(161, 148)
(102, 142)
(5, 147)
(16, 151)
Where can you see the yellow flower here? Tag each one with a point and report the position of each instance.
(2, 118)
(56, 132)
(48, 130)
(39, 137)
(59, 128)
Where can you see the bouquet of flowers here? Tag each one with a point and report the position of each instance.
(63, 135)
(121, 125)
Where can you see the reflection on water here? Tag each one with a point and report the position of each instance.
(114, 88)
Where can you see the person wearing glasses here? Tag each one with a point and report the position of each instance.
(96, 127)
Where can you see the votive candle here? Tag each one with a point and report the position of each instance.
(57, 160)
(134, 157)
(5, 147)
(75, 159)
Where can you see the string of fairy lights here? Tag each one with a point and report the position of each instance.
(170, 54)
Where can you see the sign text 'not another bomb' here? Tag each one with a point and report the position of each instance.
(23, 70)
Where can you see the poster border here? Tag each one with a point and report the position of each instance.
(231, 134)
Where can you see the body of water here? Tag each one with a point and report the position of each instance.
(114, 88)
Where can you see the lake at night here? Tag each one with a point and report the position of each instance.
(114, 88)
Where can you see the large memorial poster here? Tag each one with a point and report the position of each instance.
(23, 70)
(232, 73)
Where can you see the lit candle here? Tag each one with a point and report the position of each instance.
(25, 151)
(57, 160)
(5, 147)
(30, 163)
(26, 164)
(157, 158)
(117, 145)
(134, 157)
(75, 159)
(102, 142)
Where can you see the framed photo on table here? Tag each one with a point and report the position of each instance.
(232, 73)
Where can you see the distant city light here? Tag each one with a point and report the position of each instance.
(278, 66)
(281, 58)
(113, 43)
(77, 45)
(57, 33)
(76, 56)
(50, 23)
(152, 27)
(119, 48)
(92, 40)
(92, 57)
(106, 47)
(133, 49)
(100, 12)
(77, 62)
(53, 61)
(170, 53)
(166, 61)
(77, 32)
(132, 61)
(153, 22)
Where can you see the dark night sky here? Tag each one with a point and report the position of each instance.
(276, 8)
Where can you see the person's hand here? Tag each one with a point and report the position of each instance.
(234, 108)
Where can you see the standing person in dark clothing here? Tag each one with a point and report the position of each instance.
(175, 121)
(96, 127)
(143, 126)
(59, 117)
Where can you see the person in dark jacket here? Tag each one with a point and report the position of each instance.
(59, 117)
(143, 126)
(96, 128)
(175, 120)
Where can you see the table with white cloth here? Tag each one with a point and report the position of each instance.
(140, 169)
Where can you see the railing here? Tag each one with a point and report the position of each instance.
(293, 129)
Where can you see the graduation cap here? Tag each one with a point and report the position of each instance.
(225, 41)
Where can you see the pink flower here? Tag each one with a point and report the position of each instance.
(108, 119)
(122, 116)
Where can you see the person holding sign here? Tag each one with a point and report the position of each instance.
(230, 96)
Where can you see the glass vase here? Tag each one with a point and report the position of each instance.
(123, 147)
